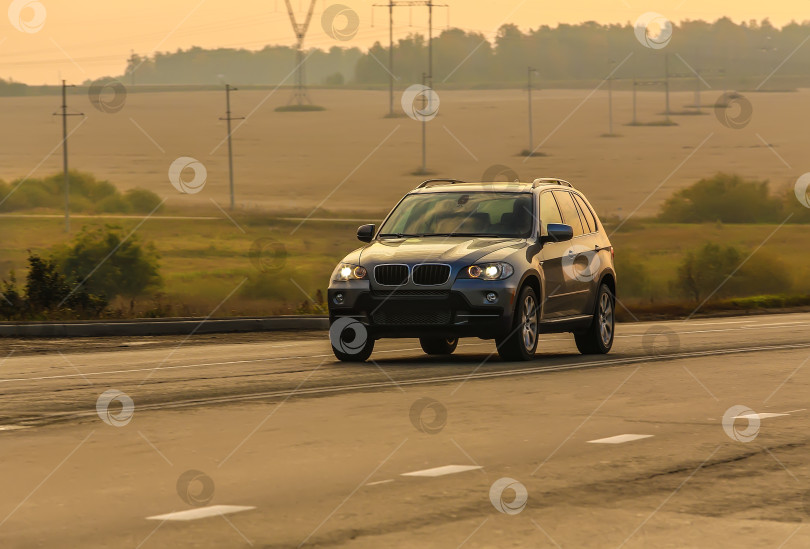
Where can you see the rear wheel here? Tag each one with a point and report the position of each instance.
(521, 342)
(438, 345)
(598, 338)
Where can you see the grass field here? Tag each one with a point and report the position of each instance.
(349, 158)
(204, 260)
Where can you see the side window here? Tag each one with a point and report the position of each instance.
(569, 211)
(549, 213)
(587, 213)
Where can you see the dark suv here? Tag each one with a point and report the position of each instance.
(502, 261)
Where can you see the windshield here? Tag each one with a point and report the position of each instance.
(461, 214)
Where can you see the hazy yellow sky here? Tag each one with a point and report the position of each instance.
(82, 39)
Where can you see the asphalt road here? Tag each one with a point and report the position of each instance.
(312, 452)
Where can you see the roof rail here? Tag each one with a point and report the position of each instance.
(551, 180)
(427, 182)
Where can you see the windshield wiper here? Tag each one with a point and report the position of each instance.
(400, 235)
(485, 235)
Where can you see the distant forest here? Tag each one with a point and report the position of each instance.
(741, 54)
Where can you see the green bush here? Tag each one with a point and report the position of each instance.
(87, 194)
(635, 280)
(726, 198)
(111, 264)
(141, 200)
(717, 272)
(48, 294)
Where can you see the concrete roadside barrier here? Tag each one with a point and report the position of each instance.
(163, 326)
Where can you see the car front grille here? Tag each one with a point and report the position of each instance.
(391, 275)
(409, 293)
(431, 274)
(394, 316)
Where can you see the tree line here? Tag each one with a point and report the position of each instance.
(583, 52)
(725, 52)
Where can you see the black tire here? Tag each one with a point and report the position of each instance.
(438, 345)
(353, 339)
(598, 338)
(521, 342)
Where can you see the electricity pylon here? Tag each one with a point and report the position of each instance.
(430, 4)
(300, 92)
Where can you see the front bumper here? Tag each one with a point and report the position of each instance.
(460, 311)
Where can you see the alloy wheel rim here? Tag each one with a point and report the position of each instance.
(606, 319)
(529, 321)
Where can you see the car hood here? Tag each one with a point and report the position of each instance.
(433, 249)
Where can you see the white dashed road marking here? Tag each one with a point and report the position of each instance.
(440, 471)
(619, 439)
(380, 482)
(766, 415)
(202, 512)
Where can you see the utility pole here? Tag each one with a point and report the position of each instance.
(391, 58)
(424, 132)
(64, 114)
(430, 43)
(635, 85)
(228, 117)
(531, 125)
(667, 112)
(610, 105)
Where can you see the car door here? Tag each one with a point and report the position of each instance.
(593, 239)
(578, 264)
(551, 255)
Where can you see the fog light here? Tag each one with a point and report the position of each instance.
(492, 297)
(339, 298)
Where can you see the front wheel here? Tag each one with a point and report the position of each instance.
(598, 338)
(350, 340)
(521, 342)
(438, 345)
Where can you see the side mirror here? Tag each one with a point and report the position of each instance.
(557, 232)
(365, 233)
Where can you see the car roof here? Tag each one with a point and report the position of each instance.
(493, 186)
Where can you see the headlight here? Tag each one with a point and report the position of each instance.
(347, 271)
(488, 271)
